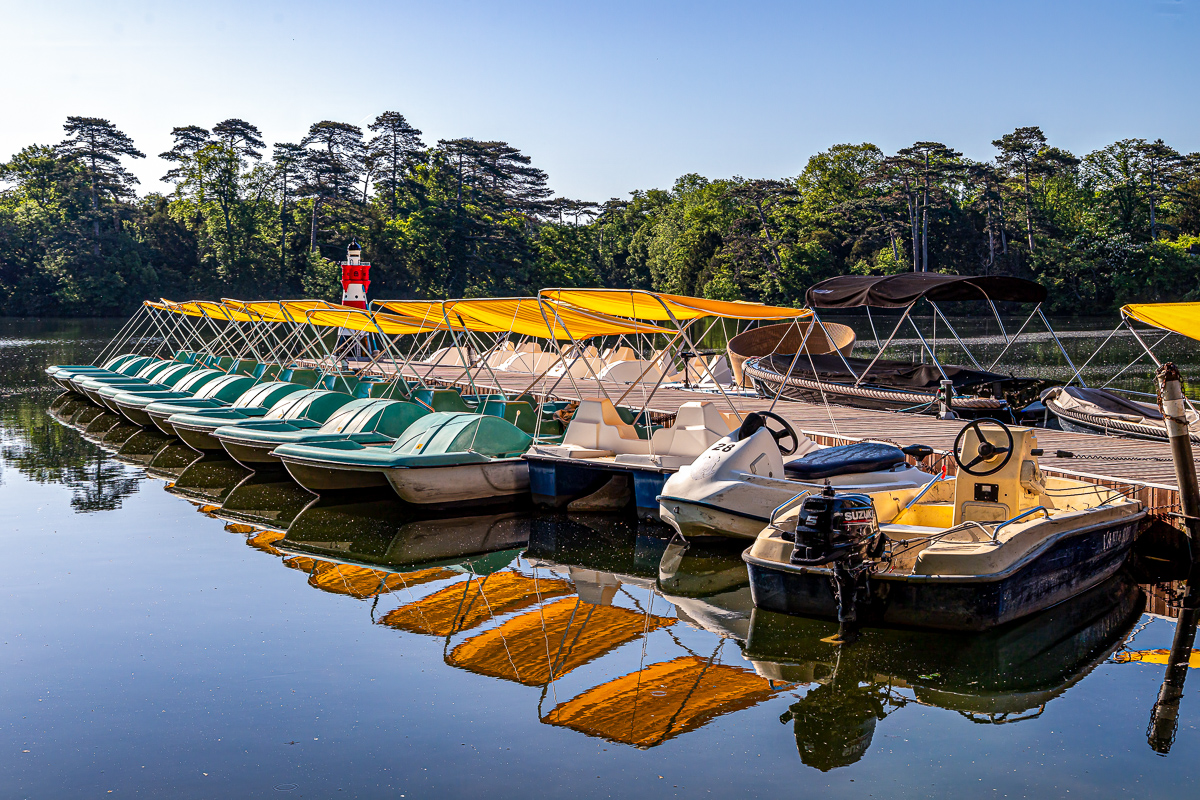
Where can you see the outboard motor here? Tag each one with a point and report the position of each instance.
(841, 530)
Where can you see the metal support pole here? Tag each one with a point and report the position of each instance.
(1164, 718)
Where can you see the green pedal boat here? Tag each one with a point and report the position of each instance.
(445, 458)
(366, 421)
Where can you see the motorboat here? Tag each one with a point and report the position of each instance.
(733, 486)
(366, 421)
(928, 387)
(995, 543)
(1081, 409)
(445, 458)
(1110, 411)
(601, 445)
(1009, 675)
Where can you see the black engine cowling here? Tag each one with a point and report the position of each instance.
(835, 527)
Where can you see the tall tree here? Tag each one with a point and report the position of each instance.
(1024, 154)
(98, 146)
(334, 162)
(393, 149)
(1162, 163)
(288, 159)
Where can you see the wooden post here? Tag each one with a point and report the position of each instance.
(1164, 717)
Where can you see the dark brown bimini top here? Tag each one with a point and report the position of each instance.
(898, 291)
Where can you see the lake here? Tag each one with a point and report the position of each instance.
(180, 628)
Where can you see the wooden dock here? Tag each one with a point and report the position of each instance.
(1138, 468)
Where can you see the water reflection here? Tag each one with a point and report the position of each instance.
(1000, 677)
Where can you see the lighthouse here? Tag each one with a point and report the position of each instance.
(355, 281)
(355, 277)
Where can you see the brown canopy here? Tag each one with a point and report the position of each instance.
(898, 291)
(517, 650)
(461, 607)
(648, 707)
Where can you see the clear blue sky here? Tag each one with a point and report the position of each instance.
(613, 96)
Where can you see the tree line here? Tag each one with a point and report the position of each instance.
(468, 217)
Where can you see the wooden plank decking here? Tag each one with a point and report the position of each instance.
(1151, 481)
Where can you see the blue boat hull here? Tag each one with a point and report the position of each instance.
(556, 482)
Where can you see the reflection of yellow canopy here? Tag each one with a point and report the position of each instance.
(358, 320)
(521, 315)
(637, 304)
(265, 541)
(1181, 318)
(362, 582)
(1154, 657)
(462, 607)
(662, 701)
(517, 650)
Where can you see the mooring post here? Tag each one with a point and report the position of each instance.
(1164, 718)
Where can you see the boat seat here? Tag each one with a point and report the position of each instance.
(698, 426)
(597, 425)
(844, 460)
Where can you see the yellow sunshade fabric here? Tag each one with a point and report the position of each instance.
(466, 604)
(526, 316)
(285, 310)
(358, 320)
(655, 305)
(207, 308)
(575, 632)
(664, 700)
(1181, 318)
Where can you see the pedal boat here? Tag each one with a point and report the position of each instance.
(244, 397)
(123, 365)
(601, 444)
(445, 458)
(131, 404)
(366, 421)
(995, 544)
(197, 426)
(732, 488)
(149, 375)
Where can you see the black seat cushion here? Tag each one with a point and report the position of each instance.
(844, 460)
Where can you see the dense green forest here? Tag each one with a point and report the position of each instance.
(467, 217)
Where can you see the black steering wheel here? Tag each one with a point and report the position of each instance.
(758, 419)
(987, 451)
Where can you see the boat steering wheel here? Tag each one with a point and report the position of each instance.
(758, 419)
(986, 452)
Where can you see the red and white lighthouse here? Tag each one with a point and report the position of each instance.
(355, 277)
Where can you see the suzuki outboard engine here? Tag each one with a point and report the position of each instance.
(840, 530)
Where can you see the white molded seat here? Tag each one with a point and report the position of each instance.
(631, 371)
(599, 429)
(698, 426)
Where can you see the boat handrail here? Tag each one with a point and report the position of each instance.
(941, 476)
(1018, 517)
(786, 505)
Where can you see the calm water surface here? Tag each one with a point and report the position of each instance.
(175, 642)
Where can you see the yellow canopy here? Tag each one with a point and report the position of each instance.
(575, 633)
(370, 322)
(648, 707)
(639, 304)
(1181, 318)
(285, 310)
(526, 316)
(460, 607)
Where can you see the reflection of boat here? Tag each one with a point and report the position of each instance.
(142, 447)
(1004, 675)
(708, 583)
(998, 542)
(169, 462)
(384, 533)
(208, 480)
(902, 385)
(268, 499)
